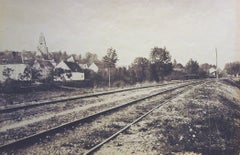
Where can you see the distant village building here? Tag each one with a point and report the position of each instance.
(44, 64)
(10, 57)
(14, 72)
(71, 59)
(83, 66)
(28, 57)
(212, 72)
(178, 67)
(93, 67)
(42, 48)
(71, 71)
(12, 66)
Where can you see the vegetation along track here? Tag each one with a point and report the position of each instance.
(41, 135)
(47, 102)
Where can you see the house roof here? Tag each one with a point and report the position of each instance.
(211, 70)
(71, 59)
(74, 67)
(16, 71)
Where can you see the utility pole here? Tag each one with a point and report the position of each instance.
(109, 77)
(216, 63)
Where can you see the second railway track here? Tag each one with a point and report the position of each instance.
(75, 97)
(34, 138)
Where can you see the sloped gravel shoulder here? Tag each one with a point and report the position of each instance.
(203, 120)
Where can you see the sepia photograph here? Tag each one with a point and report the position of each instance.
(120, 77)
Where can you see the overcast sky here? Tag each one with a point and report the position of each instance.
(187, 28)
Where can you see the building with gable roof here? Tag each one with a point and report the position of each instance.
(14, 72)
(93, 67)
(69, 71)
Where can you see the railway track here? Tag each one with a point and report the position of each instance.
(41, 103)
(41, 135)
(98, 146)
(122, 130)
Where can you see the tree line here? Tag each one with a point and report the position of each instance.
(157, 67)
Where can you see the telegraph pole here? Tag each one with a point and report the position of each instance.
(216, 63)
(109, 77)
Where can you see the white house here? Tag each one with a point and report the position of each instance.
(84, 66)
(93, 67)
(212, 71)
(71, 71)
(14, 71)
(71, 59)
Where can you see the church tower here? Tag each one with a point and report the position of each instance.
(42, 47)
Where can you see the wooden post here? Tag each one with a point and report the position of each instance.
(216, 64)
(109, 77)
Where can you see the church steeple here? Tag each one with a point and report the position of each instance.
(42, 47)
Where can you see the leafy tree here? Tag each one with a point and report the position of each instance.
(160, 55)
(205, 67)
(140, 66)
(174, 63)
(77, 58)
(36, 74)
(109, 62)
(26, 74)
(192, 67)
(161, 65)
(233, 68)
(90, 57)
(59, 73)
(64, 56)
(122, 74)
(133, 77)
(7, 72)
(59, 56)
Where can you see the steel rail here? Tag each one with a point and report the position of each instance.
(98, 146)
(21, 143)
(36, 104)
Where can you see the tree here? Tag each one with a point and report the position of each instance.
(233, 68)
(26, 74)
(192, 67)
(140, 66)
(7, 72)
(161, 65)
(36, 74)
(109, 62)
(59, 56)
(90, 57)
(205, 67)
(174, 63)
